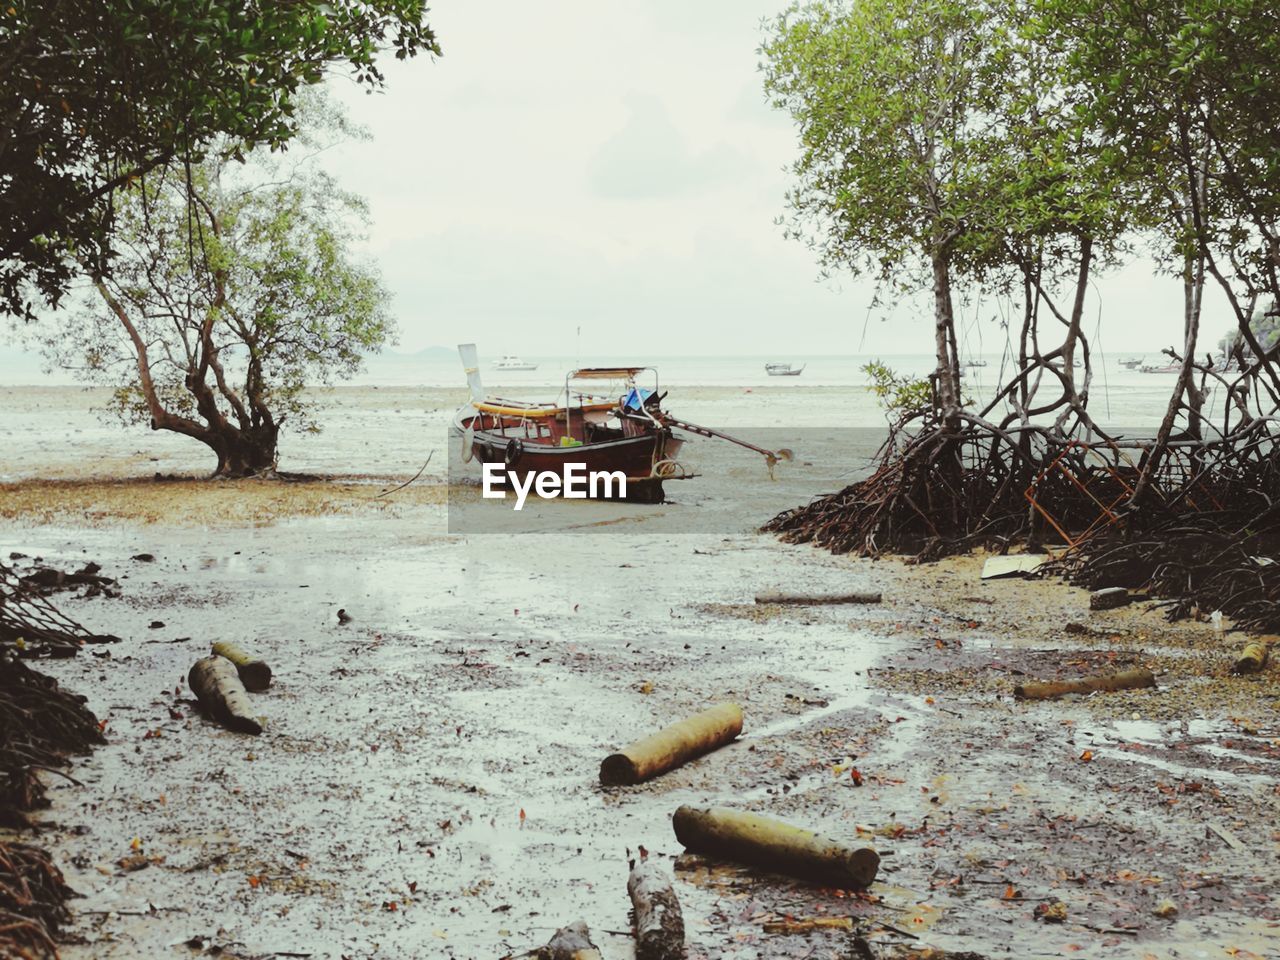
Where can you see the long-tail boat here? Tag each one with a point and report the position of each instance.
(625, 430)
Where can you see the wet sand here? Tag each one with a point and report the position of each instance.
(426, 785)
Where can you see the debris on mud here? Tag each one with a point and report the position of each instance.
(32, 626)
(49, 580)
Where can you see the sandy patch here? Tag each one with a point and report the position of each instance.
(194, 501)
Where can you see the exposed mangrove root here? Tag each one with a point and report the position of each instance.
(32, 626)
(1226, 560)
(33, 898)
(40, 724)
(1190, 515)
(939, 491)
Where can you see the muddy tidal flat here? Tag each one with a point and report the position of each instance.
(426, 784)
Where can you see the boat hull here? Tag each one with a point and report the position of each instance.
(641, 459)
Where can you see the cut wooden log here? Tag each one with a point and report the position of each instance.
(808, 925)
(255, 674)
(817, 599)
(673, 746)
(1052, 689)
(659, 923)
(776, 846)
(1252, 658)
(572, 942)
(217, 685)
(1109, 598)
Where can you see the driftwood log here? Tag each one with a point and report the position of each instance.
(808, 925)
(817, 599)
(775, 846)
(254, 673)
(659, 923)
(1052, 689)
(217, 685)
(673, 746)
(572, 942)
(1252, 658)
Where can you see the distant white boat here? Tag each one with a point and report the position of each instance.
(784, 369)
(513, 363)
(975, 363)
(1132, 363)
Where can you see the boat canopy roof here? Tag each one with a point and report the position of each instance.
(605, 373)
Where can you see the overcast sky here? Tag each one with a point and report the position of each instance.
(615, 167)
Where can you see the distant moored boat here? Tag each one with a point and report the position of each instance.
(513, 363)
(783, 369)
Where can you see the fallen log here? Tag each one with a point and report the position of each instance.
(572, 942)
(659, 922)
(1252, 658)
(1052, 689)
(673, 746)
(776, 846)
(254, 673)
(808, 925)
(217, 685)
(817, 599)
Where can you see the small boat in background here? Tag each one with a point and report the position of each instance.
(1162, 368)
(975, 363)
(784, 369)
(513, 363)
(1132, 363)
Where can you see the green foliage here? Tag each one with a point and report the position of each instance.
(900, 395)
(218, 313)
(96, 94)
(1184, 95)
(884, 94)
(936, 124)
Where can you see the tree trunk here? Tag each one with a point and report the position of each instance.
(948, 369)
(244, 453)
(1193, 287)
